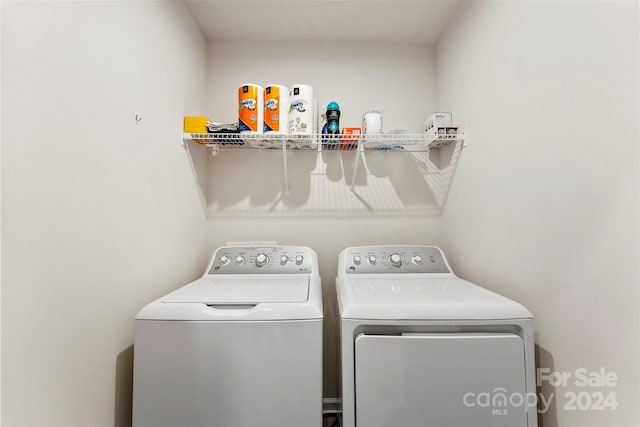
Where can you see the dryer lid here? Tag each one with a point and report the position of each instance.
(242, 290)
(421, 298)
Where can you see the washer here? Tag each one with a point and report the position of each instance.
(420, 346)
(239, 347)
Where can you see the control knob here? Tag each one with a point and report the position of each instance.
(284, 259)
(261, 260)
(357, 260)
(239, 260)
(224, 260)
(395, 260)
(299, 259)
(416, 259)
(372, 259)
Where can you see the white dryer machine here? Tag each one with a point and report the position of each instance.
(239, 347)
(422, 347)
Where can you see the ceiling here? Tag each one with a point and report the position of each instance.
(329, 20)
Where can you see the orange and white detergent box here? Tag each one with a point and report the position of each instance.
(250, 108)
(350, 137)
(276, 109)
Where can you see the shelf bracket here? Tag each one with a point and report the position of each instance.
(286, 171)
(359, 153)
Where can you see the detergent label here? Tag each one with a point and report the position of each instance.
(247, 103)
(271, 104)
(298, 105)
(272, 109)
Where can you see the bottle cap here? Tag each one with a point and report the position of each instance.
(333, 106)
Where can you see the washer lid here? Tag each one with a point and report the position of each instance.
(242, 290)
(421, 298)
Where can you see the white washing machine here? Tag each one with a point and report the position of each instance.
(239, 347)
(422, 347)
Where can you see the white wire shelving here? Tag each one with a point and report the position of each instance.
(389, 142)
(318, 142)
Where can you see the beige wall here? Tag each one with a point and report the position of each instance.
(544, 208)
(99, 215)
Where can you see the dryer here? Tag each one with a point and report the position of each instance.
(422, 347)
(239, 347)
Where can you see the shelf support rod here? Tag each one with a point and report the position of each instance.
(359, 152)
(286, 171)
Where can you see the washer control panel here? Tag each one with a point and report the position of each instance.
(262, 260)
(394, 259)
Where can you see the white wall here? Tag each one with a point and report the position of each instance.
(99, 215)
(396, 77)
(245, 189)
(544, 207)
(0, 222)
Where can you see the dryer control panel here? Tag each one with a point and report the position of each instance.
(263, 260)
(394, 259)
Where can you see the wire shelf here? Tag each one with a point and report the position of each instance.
(319, 142)
(435, 155)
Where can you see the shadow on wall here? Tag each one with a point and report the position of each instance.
(386, 182)
(197, 156)
(124, 388)
(547, 402)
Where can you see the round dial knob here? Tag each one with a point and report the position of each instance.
(357, 260)
(395, 260)
(284, 259)
(224, 260)
(239, 259)
(261, 260)
(416, 259)
(372, 259)
(299, 259)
